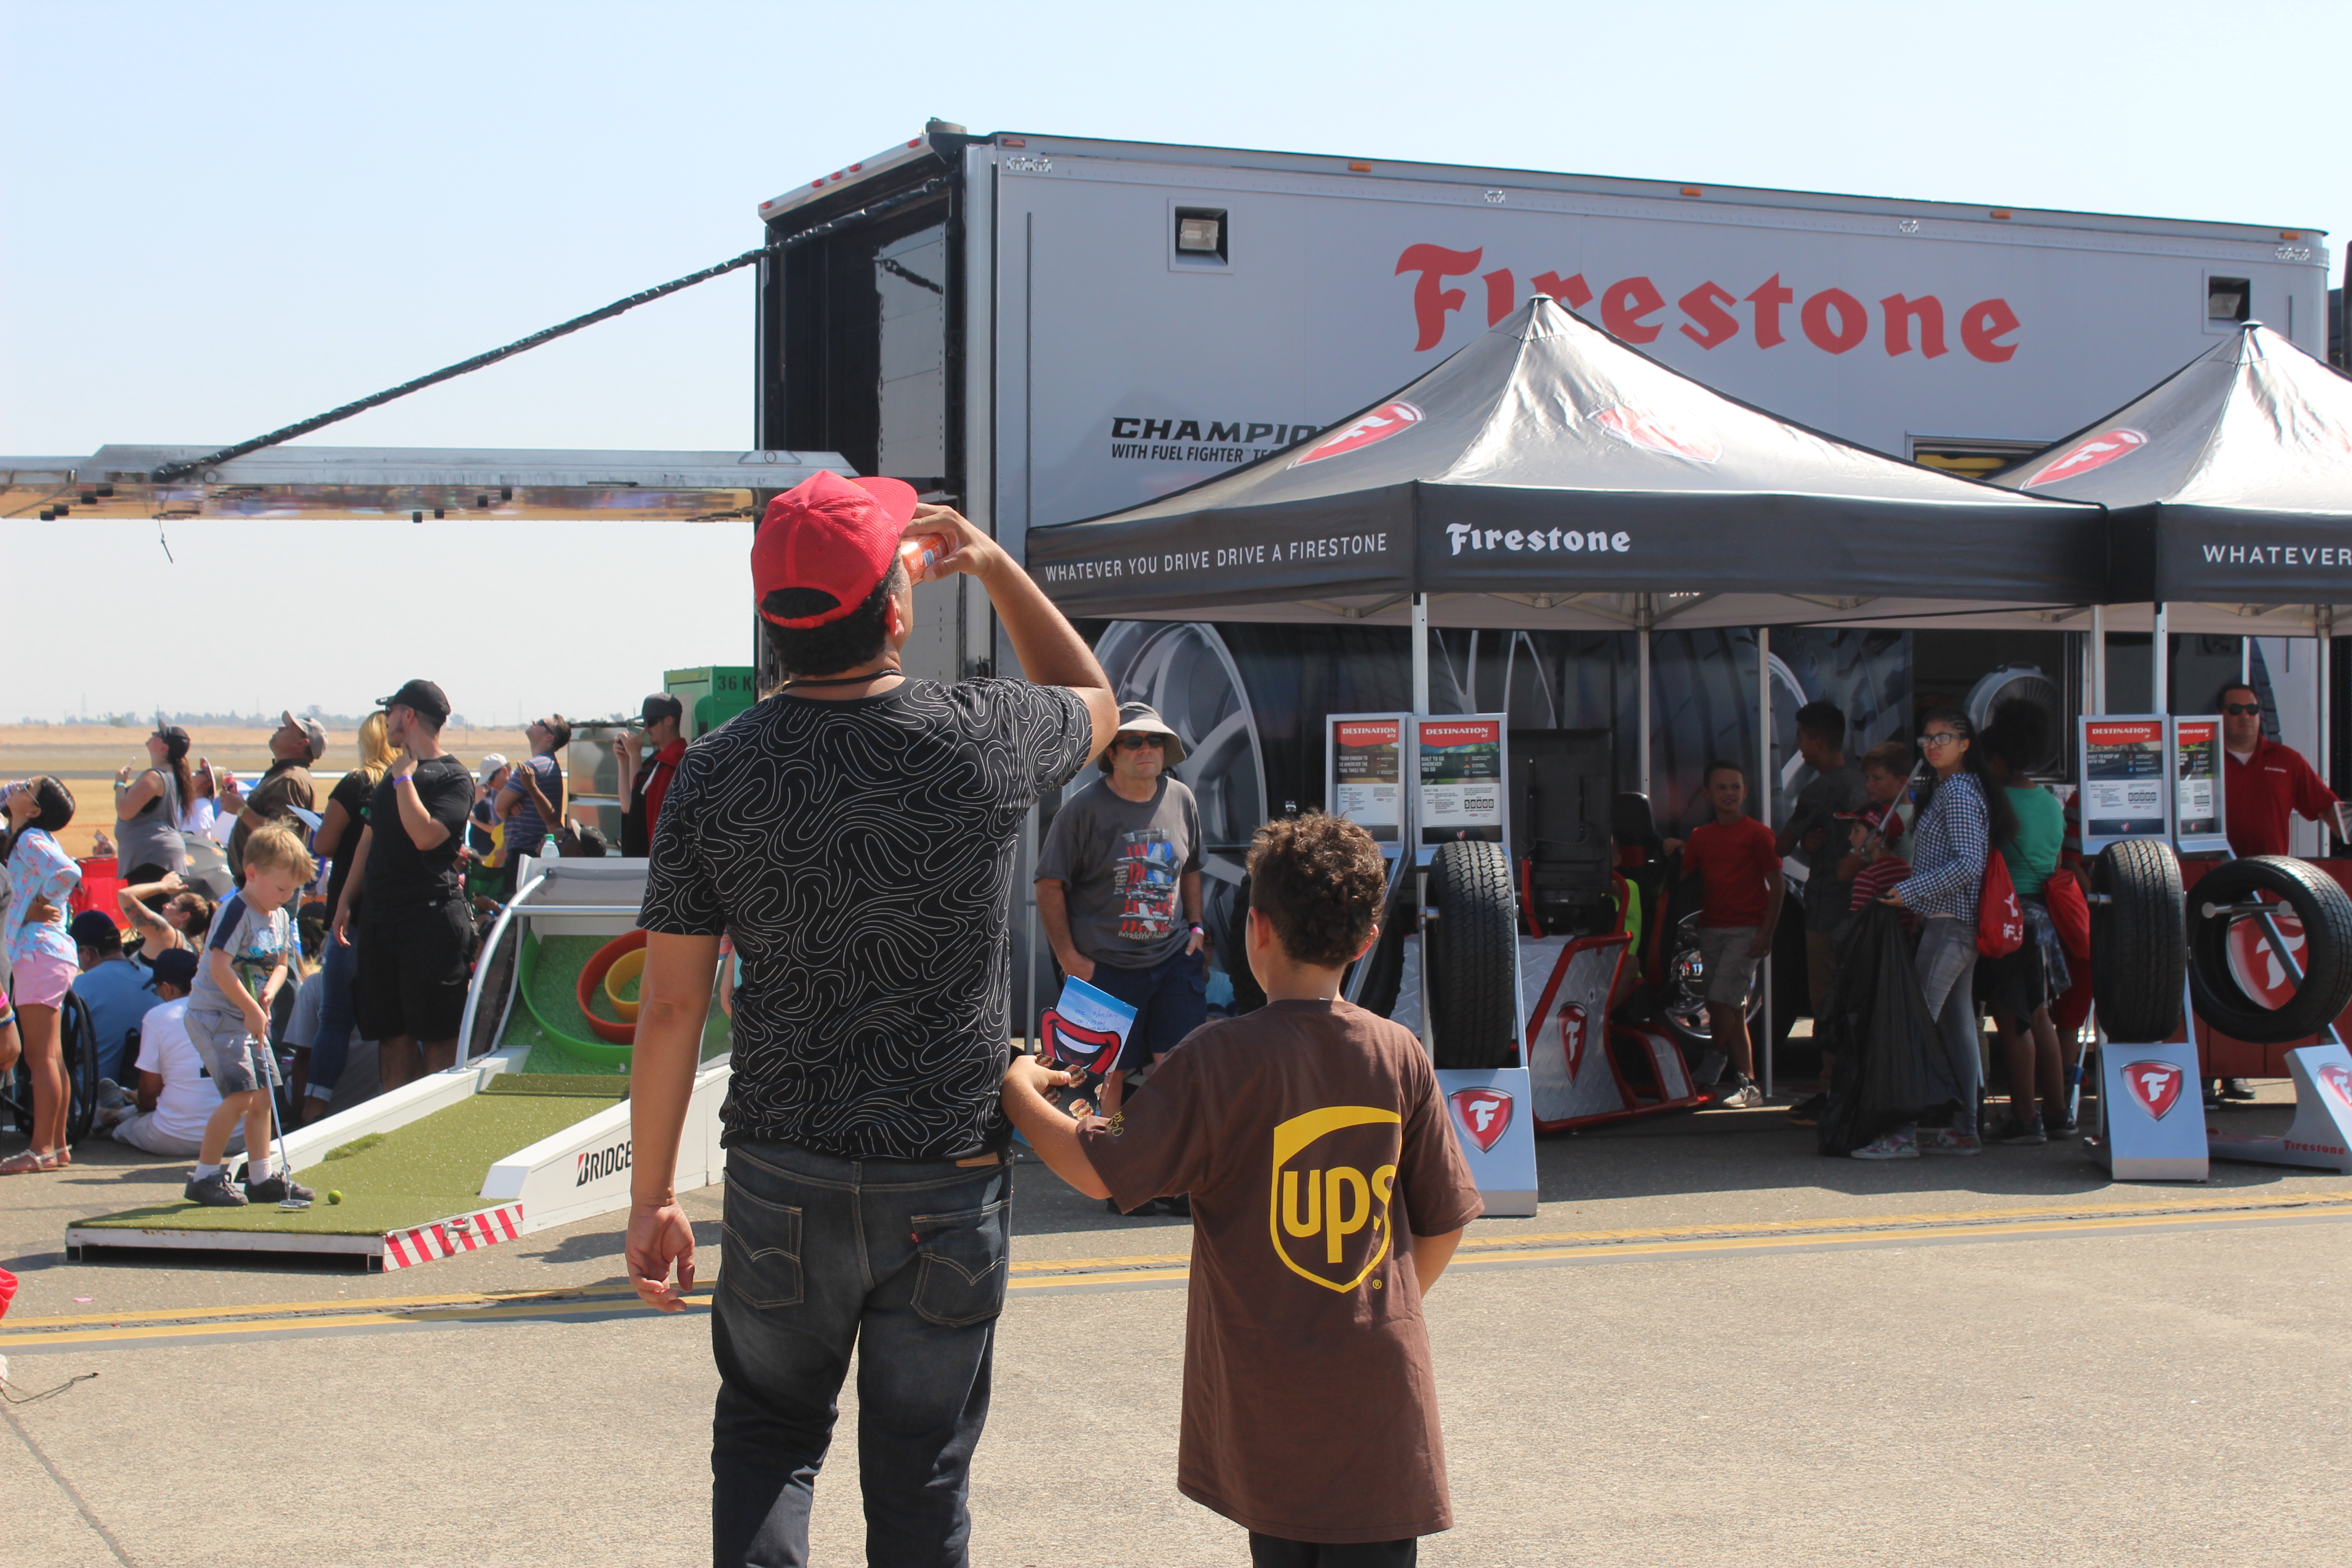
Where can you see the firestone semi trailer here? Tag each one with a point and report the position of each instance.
(1045, 327)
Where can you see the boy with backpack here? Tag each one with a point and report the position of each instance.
(1327, 1195)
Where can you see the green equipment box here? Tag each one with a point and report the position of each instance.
(712, 695)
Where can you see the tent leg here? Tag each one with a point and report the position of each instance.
(2159, 657)
(1420, 654)
(2323, 623)
(2098, 690)
(1641, 773)
(1762, 1049)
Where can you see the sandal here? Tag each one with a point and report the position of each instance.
(27, 1162)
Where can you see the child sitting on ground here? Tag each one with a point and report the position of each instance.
(1327, 1195)
(243, 968)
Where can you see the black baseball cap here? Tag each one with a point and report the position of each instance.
(172, 966)
(661, 705)
(95, 928)
(174, 739)
(421, 695)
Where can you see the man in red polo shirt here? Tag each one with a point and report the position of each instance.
(647, 764)
(2263, 780)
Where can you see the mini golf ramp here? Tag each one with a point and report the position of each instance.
(531, 1131)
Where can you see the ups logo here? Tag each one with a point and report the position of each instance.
(1327, 1204)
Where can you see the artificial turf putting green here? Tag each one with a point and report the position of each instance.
(428, 1170)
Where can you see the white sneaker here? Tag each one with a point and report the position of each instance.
(1891, 1146)
(1747, 1097)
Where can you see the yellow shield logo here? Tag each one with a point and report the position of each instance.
(1328, 1199)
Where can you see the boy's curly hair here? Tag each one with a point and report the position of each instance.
(1319, 880)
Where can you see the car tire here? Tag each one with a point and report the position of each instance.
(2325, 912)
(1472, 951)
(2139, 939)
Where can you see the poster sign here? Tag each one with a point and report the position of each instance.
(1364, 776)
(2124, 793)
(1083, 1034)
(2197, 807)
(1460, 779)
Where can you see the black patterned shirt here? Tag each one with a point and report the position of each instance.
(861, 854)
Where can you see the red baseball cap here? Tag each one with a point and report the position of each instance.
(832, 534)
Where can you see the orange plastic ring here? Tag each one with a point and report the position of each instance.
(592, 975)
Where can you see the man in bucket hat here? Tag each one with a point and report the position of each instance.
(1119, 892)
(855, 835)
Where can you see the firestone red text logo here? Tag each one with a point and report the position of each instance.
(2090, 452)
(2338, 1082)
(1831, 319)
(1484, 1113)
(1378, 426)
(2154, 1085)
(1637, 427)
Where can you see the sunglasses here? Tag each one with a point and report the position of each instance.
(2241, 710)
(1138, 742)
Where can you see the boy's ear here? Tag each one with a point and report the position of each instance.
(1370, 939)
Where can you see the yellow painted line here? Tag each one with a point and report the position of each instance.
(1874, 1237)
(286, 1308)
(1121, 1278)
(1959, 1218)
(337, 1321)
(1044, 1264)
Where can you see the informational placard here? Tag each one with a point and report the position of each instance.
(2126, 792)
(1366, 761)
(1461, 780)
(1083, 1034)
(2198, 813)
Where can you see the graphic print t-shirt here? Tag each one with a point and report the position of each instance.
(1120, 862)
(861, 855)
(255, 944)
(1314, 1145)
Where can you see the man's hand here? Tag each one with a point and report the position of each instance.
(630, 745)
(659, 1238)
(1761, 947)
(1199, 940)
(968, 549)
(1078, 966)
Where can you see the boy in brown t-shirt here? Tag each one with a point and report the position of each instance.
(1327, 1196)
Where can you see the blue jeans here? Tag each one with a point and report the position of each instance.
(1171, 1000)
(332, 1048)
(903, 1261)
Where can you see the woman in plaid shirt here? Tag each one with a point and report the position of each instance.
(1961, 823)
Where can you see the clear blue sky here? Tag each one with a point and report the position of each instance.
(223, 217)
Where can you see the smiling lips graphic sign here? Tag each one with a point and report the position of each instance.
(2338, 1082)
(2090, 452)
(2154, 1085)
(1378, 426)
(1483, 1114)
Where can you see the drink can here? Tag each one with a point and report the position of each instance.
(920, 554)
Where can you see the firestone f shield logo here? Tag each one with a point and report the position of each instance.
(1378, 426)
(2338, 1082)
(2090, 452)
(1482, 1114)
(2154, 1085)
(1328, 1199)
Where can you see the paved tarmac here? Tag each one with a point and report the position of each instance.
(1712, 1346)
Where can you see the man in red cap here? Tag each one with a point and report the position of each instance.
(854, 834)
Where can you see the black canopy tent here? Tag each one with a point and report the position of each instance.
(1549, 475)
(2229, 486)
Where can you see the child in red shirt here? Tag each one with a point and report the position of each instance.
(1739, 862)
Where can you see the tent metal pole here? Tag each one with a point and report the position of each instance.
(2323, 623)
(1762, 1049)
(2098, 658)
(2159, 652)
(1421, 655)
(1642, 774)
(2245, 658)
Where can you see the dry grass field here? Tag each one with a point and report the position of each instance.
(87, 755)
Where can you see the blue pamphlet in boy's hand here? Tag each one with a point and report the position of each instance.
(1082, 1035)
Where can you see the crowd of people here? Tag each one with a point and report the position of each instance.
(216, 1003)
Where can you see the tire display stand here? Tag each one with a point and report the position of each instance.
(483, 1152)
(1459, 985)
(2322, 1133)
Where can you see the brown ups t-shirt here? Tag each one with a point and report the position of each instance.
(1315, 1146)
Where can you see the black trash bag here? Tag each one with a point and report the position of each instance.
(1891, 1067)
